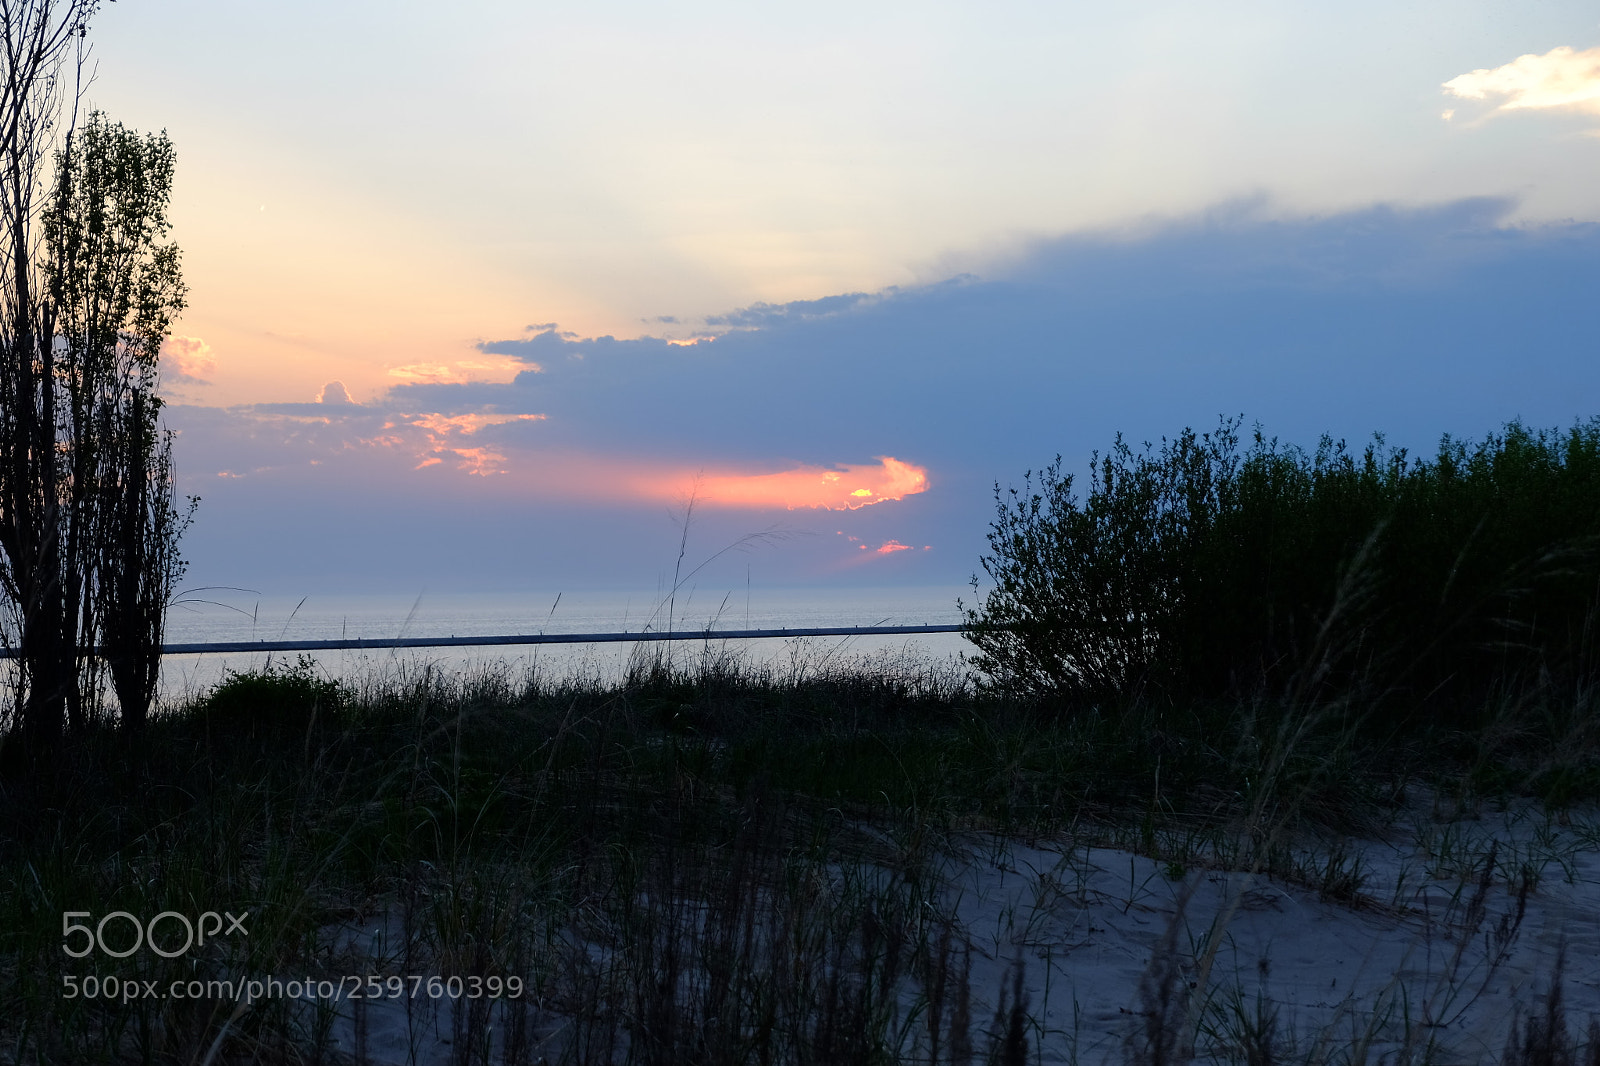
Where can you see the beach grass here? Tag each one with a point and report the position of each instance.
(708, 861)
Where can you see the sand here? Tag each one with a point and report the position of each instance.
(1419, 955)
(1427, 953)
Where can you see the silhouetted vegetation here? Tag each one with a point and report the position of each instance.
(88, 289)
(1203, 570)
(707, 862)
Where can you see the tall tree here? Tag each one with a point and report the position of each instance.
(88, 288)
(38, 36)
(116, 285)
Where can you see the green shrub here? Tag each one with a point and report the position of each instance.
(277, 696)
(1204, 569)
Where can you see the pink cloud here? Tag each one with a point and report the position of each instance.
(334, 392)
(498, 370)
(844, 487)
(187, 360)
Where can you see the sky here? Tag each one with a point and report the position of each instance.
(511, 295)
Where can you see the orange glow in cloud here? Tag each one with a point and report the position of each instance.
(845, 488)
(445, 424)
(888, 547)
(440, 428)
(480, 462)
(188, 358)
(499, 371)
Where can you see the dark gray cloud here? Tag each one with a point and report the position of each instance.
(1412, 322)
(1415, 322)
(765, 315)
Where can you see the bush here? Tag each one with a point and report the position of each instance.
(1203, 569)
(277, 696)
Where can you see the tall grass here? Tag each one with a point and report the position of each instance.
(627, 850)
(707, 862)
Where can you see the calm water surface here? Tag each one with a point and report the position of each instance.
(238, 616)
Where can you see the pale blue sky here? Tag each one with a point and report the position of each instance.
(600, 164)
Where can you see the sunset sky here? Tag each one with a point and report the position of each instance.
(484, 293)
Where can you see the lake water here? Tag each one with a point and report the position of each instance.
(237, 617)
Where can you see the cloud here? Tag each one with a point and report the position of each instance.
(374, 442)
(887, 548)
(1401, 319)
(441, 428)
(1414, 321)
(468, 424)
(761, 315)
(1561, 79)
(335, 394)
(187, 360)
(461, 371)
(477, 462)
(1377, 318)
(843, 488)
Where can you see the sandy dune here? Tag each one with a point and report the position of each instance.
(1429, 952)
(1419, 944)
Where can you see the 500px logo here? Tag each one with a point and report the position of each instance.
(194, 933)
